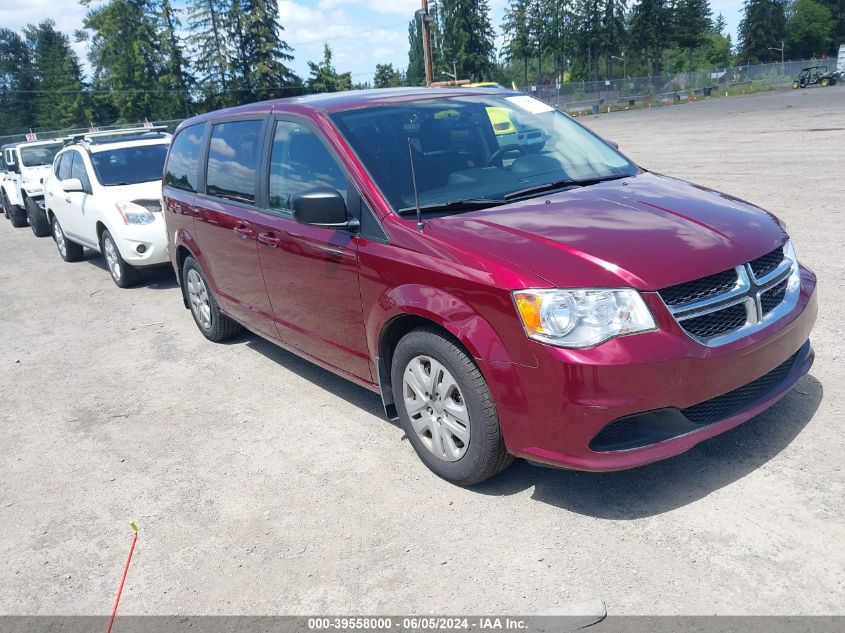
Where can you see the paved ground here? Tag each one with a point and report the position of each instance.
(265, 485)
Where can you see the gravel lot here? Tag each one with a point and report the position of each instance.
(264, 485)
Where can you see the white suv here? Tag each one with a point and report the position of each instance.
(26, 165)
(105, 193)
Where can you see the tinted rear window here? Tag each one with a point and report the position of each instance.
(183, 163)
(232, 160)
(39, 155)
(129, 165)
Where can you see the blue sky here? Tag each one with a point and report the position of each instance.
(361, 33)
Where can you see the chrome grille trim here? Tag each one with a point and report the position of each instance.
(748, 290)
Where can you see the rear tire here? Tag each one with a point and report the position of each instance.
(825, 82)
(122, 274)
(455, 430)
(38, 221)
(4, 202)
(17, 215)
(214, 325)
(69, 251)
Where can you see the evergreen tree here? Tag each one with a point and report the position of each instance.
(324, 77)
(125, 56)
(386, 76)
(211, 52)
(17, 80)
(468, 38)
(613, 32)
(837, 13)
(266, 51)
(176, 78)
(415, 75)
(648, 33)
(690, 25)
(515, 27)
(763, 26)
(57, 75)
(720, 24)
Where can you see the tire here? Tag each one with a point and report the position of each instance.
(122, 274)
(460, 462)
(38, 221)
(825, 82)
(17, 215)
(213, 324)
(69, 251)
(4, 202)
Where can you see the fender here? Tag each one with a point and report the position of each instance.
(182, 237)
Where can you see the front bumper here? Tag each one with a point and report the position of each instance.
(554, 412)
(151, 237)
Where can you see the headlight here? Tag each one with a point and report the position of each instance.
(583, 317)
(134, 213)
(795, 276)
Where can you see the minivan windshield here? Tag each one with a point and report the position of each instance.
(475, 151)
(39, 155)
(129, 165)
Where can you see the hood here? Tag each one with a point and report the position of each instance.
(36, 173)
(140, 191)
(646, 231)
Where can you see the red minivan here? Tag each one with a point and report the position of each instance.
(554, 302)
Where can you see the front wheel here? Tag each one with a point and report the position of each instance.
(38, 221)
(121, 273)
(17, 216)
(446, 409)
(825, 82)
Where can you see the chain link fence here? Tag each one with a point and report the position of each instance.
(587, 96)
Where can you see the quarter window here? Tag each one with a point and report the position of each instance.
(232, 160)
(78, 170)
(299, 161)
(183, 163)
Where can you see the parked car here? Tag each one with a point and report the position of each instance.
(567, 307)
(105, 193)
(26, 166)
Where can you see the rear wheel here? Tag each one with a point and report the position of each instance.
(70, 251)
(17, 215)
(213, 324)
(123, 274)
(38, 221)
(825, 82)
(446, 409)
(4, 202)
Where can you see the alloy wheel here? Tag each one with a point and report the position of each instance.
(112, 258)
(198, 297)
(59, 236)
(436, 407)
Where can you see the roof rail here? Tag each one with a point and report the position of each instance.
(90, 136)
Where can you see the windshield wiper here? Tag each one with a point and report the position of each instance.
(560, 184)
(453, 205)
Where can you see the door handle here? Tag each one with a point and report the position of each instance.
(50, 193)
(67, 199)
(270, 239)
(243, 231)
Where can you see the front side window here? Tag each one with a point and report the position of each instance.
(39, 155)
(129, 165)
(477, 148)
(184, 159)
(232, 160)
(299, 161)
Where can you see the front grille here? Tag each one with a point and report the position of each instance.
(690, 291)
(733, 402)
(762, 266)
(771, 299)
(716, 323)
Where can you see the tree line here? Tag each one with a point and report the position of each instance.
(151, 59)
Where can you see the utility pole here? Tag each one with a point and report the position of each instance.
(426, 40)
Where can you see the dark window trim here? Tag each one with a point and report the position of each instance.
(262, 133)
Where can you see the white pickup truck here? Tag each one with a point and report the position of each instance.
(25, 166)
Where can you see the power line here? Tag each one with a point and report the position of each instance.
(386, 27)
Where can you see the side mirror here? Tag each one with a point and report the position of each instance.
(322, 206)
(71, 185)
(613, 144)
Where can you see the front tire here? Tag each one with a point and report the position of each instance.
(446, 409)
(70, 251)
(38, 221)
(123, 274)
(213, 324)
